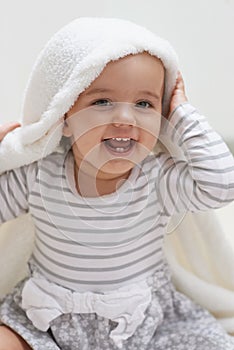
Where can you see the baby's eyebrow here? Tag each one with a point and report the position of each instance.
(98, 90)
(149, 93)
(105, 90)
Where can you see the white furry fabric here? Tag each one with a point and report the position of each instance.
(199, 252)
(16, 243)
(70, 61)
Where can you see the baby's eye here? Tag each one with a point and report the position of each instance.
(102, 102)
(144, 104)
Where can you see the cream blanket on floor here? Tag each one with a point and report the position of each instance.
(199, 250)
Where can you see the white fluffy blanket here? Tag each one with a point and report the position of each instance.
(200, 253)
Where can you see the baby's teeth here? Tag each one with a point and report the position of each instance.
(118, 149)
(121, 138)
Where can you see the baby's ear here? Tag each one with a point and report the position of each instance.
(66, 129)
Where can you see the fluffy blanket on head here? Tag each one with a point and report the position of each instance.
(200, 253)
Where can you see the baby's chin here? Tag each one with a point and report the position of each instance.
(116, 168)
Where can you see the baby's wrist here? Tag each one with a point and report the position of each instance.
(171, 126)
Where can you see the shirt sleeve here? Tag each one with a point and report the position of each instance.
(202, 175)
(15, 186)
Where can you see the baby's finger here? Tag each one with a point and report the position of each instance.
(6, 128)
(180, 81)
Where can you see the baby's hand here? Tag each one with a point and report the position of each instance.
(6, 128)
(178, 94)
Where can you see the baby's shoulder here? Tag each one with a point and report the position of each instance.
(153, 160)
(54, 159)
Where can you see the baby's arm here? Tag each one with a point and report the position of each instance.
(203, 177)
(5, 129)
(13, 186)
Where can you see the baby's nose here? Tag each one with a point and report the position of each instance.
(123, 116)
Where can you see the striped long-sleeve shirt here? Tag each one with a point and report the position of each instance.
(100, 244)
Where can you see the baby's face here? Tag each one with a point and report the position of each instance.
(115, 122)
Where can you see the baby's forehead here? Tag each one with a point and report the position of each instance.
(126, 80)
(141, 64)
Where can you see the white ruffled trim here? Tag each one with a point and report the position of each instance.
(44, 301)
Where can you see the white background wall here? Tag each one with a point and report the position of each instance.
(201, 31)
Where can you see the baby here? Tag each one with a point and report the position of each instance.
(102, 200)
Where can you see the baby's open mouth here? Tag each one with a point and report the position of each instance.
(119, 144)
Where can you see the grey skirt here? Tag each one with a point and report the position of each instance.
(172, 322)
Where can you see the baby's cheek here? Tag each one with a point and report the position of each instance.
(148, 140)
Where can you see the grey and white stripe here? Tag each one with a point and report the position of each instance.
(100, 244)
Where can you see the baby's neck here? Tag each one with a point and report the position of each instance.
(88, 186)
